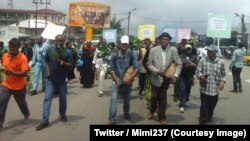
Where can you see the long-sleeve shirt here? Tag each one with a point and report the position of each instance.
(237, 59)
(216, 71)
(99, 61)
(39, 53)
(120, 63)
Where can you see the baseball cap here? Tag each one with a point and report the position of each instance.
(212, 47)
(188, 46)
(125, 39)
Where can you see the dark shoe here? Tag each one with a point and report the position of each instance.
(202, 121)
(140, 92)
(127, 116)
(43, 90)
(240, 90)
(163, 122)
(42, 126)
(175, 99)
(210, 119)
(234, 91)
(55, 95)
(64, 119)
(150, 115)
(111, 123)
(33, 92)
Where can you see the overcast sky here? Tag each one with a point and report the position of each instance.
(192, 13)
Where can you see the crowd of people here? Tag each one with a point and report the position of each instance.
(57, 60)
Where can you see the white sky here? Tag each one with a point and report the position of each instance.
(192, 13)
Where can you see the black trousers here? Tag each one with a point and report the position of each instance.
(19, 96)
(142, 81)
(208, 104)
(236, 78)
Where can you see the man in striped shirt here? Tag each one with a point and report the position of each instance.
(211, 73)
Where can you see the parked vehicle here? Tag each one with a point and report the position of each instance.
(246, 58)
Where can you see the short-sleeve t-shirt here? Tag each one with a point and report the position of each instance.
(16, 63)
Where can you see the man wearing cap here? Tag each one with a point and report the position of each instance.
(160, 58)
(185, 80)
(120, 62)
(211, 73)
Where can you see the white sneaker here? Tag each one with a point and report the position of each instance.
(100, 94)
(181, 109)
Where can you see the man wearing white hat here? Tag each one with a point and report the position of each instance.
(119, 64)
(185, 80)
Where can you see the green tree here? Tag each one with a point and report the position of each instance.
(116, 24)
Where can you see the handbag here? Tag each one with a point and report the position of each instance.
(130, 70)
(171, 70)
(128, 73)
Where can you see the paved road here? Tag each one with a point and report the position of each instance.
(85, 108)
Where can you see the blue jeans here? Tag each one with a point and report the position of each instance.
(184, 86)
(49, 94)
(124, 91)
(37, 70)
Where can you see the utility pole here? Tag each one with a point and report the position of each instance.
(46, 5)
(10, 4)
(41, 2)
(129, 13)
(36, 3)
(244, 36)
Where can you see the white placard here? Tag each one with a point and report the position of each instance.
(52, 30)
(218, 24)
(109, 35)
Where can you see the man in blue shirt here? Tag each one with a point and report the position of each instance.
(120, 62)
(58, 61)
(236, 67)
(38, 61)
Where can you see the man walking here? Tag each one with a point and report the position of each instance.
(236, 67)
(15, 66)
(38, 61)
(101, 63)
(160, 58)
(58, 61)
(120, 62)
(211, 73)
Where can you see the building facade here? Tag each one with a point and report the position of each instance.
(11, 16)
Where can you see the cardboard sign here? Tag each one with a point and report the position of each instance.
(52, 30)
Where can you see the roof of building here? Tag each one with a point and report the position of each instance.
(32, 23)
(39, 11)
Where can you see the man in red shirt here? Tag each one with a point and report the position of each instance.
(15, 66)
